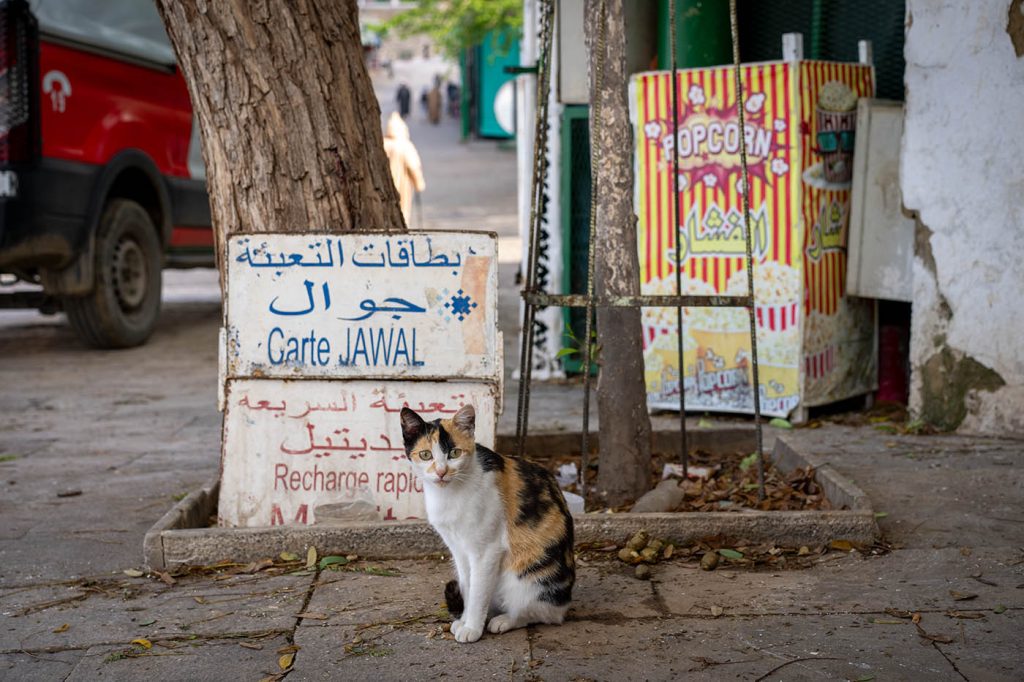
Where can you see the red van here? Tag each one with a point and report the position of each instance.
(101, 176)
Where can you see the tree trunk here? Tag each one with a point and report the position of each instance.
(290, 124)
(625, 427)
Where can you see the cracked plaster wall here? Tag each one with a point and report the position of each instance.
(962, 171)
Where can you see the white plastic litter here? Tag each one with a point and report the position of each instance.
(676, 469)
(567, 475)
(574, 501)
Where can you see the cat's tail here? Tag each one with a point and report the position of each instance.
(453, 598)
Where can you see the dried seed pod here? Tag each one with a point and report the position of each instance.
(638, 541)
(629, 555)
(709, 561)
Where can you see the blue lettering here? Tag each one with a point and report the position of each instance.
(376, 347)
(291, 350)
(270, 346)
(380, 351)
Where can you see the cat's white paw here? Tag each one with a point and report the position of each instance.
(465, 633)
(501, 623)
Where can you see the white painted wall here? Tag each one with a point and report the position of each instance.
(545, 365)
(963, 170)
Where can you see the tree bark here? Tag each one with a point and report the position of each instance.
(290, 124)
(625, 426)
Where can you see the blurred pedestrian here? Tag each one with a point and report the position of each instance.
(406, 168)
(403, 97)
(434, 102)
(453, 99)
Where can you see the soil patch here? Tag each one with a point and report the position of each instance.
(720, 482)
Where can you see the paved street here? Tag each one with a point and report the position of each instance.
(96, 446)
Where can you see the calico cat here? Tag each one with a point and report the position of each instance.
(505, 522)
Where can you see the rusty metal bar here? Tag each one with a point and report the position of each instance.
(734, 25)
(540, 161)
(589, 299)
(684, 451)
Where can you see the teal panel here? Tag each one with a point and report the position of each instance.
(494, 55)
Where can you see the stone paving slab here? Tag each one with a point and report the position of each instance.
(197, 661)
(408, 654)
(355, 598)
(607, 589)
(838, 647)
(132, 608)
(990, 648)
(915, 580)
(21, 667)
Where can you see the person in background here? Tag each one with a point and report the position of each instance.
(406, 168)
(453, 99)
(403, 97)
(434, 102)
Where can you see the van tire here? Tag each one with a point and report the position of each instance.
(123, 307)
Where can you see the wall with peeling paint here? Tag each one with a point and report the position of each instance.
(962, 172)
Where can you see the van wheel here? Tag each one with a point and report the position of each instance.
(123, 307)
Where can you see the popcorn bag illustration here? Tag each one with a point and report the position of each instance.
(799, 130)
(837, 125)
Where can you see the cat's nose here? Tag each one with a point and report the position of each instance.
(441, 471)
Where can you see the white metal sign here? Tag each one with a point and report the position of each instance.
(410, 305)
(293, 446)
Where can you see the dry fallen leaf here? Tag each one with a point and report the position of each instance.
(200, 600)
(961, 596)
(289, 649)
(165, 577)
(133, 573)
(311, 558)
(286, 661)
(251, 645)
(62, 628)
(941, 639)
(717, 611)
(143, 642)
(288, 556)
(899, 613)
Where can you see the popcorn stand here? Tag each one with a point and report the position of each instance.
(816, 345)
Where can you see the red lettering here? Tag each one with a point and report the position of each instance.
(280, 471)
(277, 517)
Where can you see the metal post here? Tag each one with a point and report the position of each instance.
(750, 255)
(684, 451)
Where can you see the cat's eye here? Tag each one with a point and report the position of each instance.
(425, 455)
(455, 453)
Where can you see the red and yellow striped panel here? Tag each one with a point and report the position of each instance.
(773, 187)
(824, 268)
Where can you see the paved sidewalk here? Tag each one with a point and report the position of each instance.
(95, 447)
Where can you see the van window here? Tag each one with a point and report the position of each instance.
(132, 28)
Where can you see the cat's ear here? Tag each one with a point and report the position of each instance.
(465, 419)
(413, 427)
